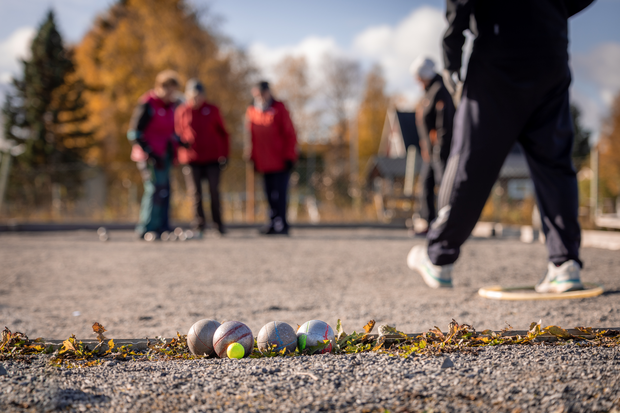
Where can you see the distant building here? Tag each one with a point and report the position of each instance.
(386, 173)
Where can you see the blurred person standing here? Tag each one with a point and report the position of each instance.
(516, 90)
(200, 127)
(434, 119)
(151, 132)
(272, 148)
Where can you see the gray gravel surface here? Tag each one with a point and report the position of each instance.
(538, 378)
(53, 285)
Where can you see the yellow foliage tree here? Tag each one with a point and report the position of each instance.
(609, 149)
(292, 86)
(371, 115)
(133, 41)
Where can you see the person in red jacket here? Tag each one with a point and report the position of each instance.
(151, 133)
(200, 126)
(273, 151)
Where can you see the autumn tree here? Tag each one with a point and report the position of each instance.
(133, 41)
(609, 153)
(293, 87)
(45, 113)
(341, 82)
(371, 115)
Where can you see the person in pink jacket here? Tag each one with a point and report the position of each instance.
(151, 132)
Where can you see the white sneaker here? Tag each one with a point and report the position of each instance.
(435, 276)
(561, 279)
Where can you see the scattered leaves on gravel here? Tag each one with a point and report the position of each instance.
(459, 337)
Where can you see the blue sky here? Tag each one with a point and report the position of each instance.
(389, 32)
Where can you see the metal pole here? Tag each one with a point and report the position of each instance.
(354, 162)
(4, 175)
(594, 183)
(410, 171)
(249, 192)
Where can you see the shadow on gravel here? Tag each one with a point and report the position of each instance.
(612, 292)
(66, 398)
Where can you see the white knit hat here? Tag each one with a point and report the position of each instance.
(423, 67)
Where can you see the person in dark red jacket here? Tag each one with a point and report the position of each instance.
(200, 126)
(151, 132)
(273, 151)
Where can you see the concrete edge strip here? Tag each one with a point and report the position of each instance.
(141, 344)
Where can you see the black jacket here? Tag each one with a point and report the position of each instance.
(509, 29)
(436, 112)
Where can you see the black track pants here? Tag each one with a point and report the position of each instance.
(276, 188)
(193, 180)
(430, 176)
(504, 102)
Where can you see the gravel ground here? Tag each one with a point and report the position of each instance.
(511, 378)
(53, 285)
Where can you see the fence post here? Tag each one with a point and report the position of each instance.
(594, 183)
(249, 193)
(4, 175)
(410, 171)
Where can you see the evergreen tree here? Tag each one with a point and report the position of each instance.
(45, 112)
(581, 145)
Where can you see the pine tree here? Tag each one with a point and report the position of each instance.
(45, 110)
(44, 113)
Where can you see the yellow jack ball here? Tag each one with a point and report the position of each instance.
(235, 351)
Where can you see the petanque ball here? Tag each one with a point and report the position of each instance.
(279, 334)
(232, 332)
(314, 332)
(200, 337)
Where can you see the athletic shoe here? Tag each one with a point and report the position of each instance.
(561, 279)
(435, 276)
(272, 231)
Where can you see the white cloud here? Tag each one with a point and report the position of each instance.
(313, 48)
(394, 47)
(597, 82)
(419, 33)
(11, 49)
(600, 66)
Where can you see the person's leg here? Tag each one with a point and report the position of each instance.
(213, 176)
(282, 179)
(427, 193)
(193, 177)
(547, 142)
(269, 180)
(146, 205)
(161, 197)
(489, 118)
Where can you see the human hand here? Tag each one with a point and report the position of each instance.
(156, 161)
(289, 165)
(223, 162)
(450, 79)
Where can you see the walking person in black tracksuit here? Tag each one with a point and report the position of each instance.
(516, 90)
(434, 117)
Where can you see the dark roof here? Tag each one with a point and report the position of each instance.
(406, 120)
(388, 167)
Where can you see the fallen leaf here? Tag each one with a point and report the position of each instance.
(369, 326)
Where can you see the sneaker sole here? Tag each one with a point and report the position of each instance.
(423, 271)
(558, 288)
